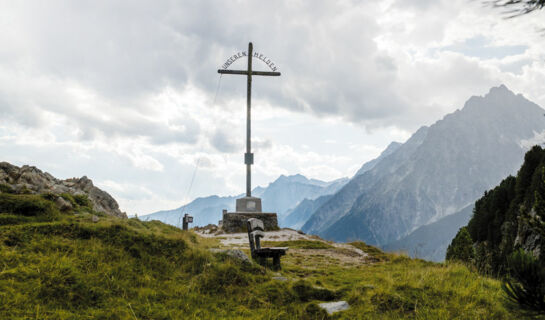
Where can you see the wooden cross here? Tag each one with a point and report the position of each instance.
(249, 156)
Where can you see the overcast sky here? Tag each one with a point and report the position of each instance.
(123, 91)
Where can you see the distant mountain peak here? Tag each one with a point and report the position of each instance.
(501, 89)
(391, 148)
(494, 93)
(499, 103)
(293, 178)
(393, 144)
(298, 178)
(440, 170)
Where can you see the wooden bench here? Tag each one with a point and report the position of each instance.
(255, 233)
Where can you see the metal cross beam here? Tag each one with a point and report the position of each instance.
(249, 156)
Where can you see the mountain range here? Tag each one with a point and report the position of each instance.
(415, 195)
(280, 196)
(439, 171)
(298, 216)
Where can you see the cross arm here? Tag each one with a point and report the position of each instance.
(265, 73)
(232, 71)
(254, 73)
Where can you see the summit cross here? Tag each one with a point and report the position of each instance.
(249, 156)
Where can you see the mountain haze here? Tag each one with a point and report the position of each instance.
(296, 217)
(283, 194)
(430, 241)
(439, 171)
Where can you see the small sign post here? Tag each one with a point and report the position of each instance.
(186, 221)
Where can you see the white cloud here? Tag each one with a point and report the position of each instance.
(124, 92)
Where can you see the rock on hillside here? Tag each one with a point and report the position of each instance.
(33, 180)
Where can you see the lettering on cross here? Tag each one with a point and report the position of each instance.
(249, 156)
(233, 58)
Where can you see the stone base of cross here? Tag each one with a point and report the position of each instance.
(248, 204)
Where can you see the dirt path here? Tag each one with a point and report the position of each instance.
(229, 239)
(341, 254)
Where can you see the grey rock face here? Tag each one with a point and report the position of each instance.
(526, 237)
(296, 217)
(392, 147)
(336, 306)
(62, 204)
(341, 202)
(235, 254)
(440, 170)
(33, 180)
(430, 242)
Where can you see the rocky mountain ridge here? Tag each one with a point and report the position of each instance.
(391, 148)
(280, 196)
(440, 170)
(29, 179)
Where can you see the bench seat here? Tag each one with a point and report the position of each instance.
(255, 233)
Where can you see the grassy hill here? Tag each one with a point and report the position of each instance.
(64, 265)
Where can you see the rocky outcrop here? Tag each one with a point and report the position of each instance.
(332, 307)
(28, 179)
(235, 254)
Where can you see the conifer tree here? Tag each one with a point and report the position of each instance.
(461, 247)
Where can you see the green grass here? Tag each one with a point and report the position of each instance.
(374, 252)
(408, 288)
(63, 266)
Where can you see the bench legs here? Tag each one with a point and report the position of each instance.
(263, 261)
(276, 262)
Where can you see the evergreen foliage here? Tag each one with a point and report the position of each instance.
(528, 289)
(515, 205)
(519, 7)
(461, 247)
(506, 224)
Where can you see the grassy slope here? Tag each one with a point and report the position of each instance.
(63, 266)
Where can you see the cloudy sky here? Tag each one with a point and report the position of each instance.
(123, 91)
